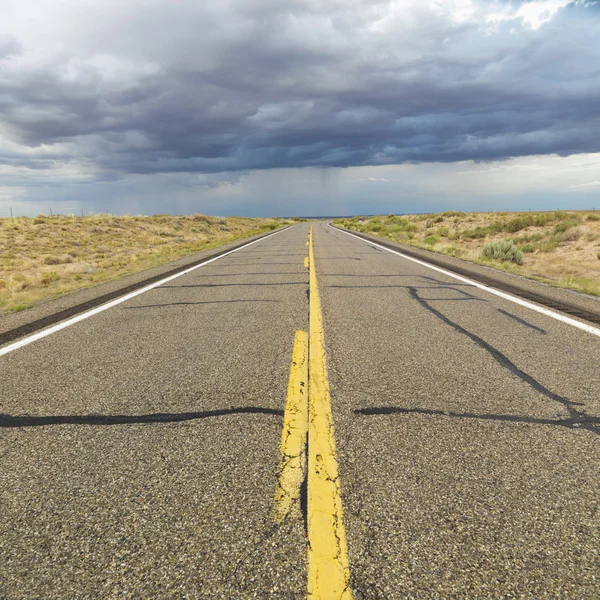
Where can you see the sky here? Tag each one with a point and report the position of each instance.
(301, 107)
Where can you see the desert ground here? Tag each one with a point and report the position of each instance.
(44, 257)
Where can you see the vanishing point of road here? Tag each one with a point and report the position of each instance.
(307, 415)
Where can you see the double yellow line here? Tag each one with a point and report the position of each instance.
(308, 442)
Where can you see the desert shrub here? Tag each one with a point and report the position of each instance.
(474, 234)
(571, 235)
(527, 248)
(431, 240)
(543, 219)
(598, 255)
(548, 245)
(527, 237)
(443, 231)
(411, 228)
(564, 226)
(453, 213)
(2, 284)
(517, 224)
(593, 217)
(52, 260)
(39, 221)
(50, 277)
(502, 250)
(438, 219)
(453, 251)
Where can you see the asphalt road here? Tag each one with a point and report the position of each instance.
(140, 447)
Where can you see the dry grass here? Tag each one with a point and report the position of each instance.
(560, 248)
(45, 257)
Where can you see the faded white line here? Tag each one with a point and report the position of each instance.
(540, 309)
(94, 311)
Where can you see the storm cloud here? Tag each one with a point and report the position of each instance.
(99, 90)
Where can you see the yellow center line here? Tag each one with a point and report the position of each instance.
(328, 566)
(293, 439)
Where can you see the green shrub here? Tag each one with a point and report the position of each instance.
(431, 240)
(564, 225)
(411, 228)
(517, 224)
(527, 237)
(527, 248)
(502, 250)
(453, 251)
(475, 234)
(543, 219)
(443, 231)
(593, 217)
(496, 226)
(50, 277)
(548, 245)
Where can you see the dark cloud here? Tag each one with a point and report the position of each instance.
(143, 88)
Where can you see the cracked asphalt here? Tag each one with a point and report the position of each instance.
(140, 447)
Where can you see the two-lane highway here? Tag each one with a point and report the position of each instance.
(141, 446)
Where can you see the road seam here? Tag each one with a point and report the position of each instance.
(85, 315)
(540, 309)
(292, 468)
(328, 564)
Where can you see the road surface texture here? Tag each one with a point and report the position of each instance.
(140, 447)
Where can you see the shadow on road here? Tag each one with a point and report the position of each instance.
(27, 421)
(571, 422)
(193, 303)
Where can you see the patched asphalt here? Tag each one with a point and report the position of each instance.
(140, 447)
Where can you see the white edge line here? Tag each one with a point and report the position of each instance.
(94, 311)
(545, 311)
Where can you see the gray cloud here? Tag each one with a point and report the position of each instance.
(116, 88)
